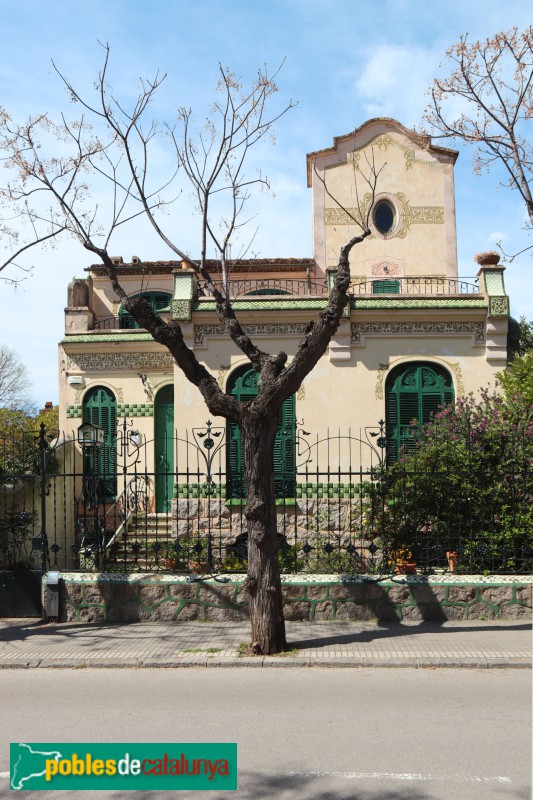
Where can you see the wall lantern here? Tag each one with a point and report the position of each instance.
(90, 435)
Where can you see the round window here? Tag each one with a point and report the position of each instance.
(383, 216)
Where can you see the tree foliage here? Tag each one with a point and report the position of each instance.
(19, 442)
(468, 486)
(486, 100)
(14, 381)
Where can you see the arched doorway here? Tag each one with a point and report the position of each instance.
(243, 385)
(413, 391)
(164, 448)
(100, 408)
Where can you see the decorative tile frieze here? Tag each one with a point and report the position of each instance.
(132, 336)
(361, 329)
(135, 410)
(267, 329)
(74, 411)
(499, 306)
(181, 309)
(93, 362)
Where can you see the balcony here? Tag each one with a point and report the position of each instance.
(250, 287)
(417, 285)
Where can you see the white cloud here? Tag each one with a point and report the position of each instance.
(394, 79)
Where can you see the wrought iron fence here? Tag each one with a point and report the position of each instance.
(346, 512)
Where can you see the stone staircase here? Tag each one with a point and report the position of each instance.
(145, 544)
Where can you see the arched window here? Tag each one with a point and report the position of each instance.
(413, 392)
(156, 300)
(243, 385)
(100, 408)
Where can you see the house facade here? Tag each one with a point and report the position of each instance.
(415, 334)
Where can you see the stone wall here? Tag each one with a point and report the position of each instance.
(134, 598)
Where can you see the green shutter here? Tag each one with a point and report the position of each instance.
(413, 393)
(100, 408)
(156, 300)
(284, 450)
(243, 385)
(386, 287)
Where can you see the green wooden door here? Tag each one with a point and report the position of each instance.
(164, 448)
(413, 392)
(243, 384)
(100, 408)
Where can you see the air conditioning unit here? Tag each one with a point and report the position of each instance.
(76, 380)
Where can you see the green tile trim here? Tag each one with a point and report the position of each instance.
(130, 336)
(195, 491)
(183, 295)
(309, 491)
(304, 304)
(135, 409)
(74, 411)
(408, 302)
(494, 284)
(304, 491)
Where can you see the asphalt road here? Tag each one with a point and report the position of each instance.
(311, 734)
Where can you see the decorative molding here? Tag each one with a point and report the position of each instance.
(385, 268)
(361, 329)
(407, 215)
(280, 304)
(384, 140)
(265, 329)
(181, 309)
(300, 394)
(498, 306)
(453, 366)
(135, 410)
(92, 362)
(223, 371)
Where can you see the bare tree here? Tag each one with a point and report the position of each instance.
(487, 101)
(15, 384)
(118, 151)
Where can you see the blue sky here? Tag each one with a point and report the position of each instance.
(343, 65)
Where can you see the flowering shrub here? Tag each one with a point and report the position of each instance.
(468, 486)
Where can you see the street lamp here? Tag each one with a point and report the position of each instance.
(90, 435)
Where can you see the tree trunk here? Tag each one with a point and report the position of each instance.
(263, 582)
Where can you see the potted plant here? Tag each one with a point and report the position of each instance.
(402, 560)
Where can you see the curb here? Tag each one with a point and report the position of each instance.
(273, 661)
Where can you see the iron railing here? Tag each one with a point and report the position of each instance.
(420, 285)
(267, 286)
(346, 511)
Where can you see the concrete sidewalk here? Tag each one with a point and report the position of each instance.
(26, 643)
